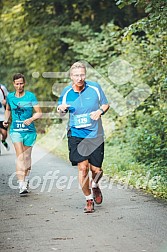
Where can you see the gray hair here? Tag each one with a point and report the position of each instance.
(77, 64)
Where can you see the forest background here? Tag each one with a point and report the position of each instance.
(124, 43)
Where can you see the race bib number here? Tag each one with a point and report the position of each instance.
(19, 126)
(82, 121)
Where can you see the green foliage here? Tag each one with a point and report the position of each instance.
(150, 144)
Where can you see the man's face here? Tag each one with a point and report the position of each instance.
(78, 76)
(19, 85)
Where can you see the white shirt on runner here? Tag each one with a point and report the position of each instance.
(2, 109)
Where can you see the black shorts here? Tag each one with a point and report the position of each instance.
(91, 149)
(1, 125)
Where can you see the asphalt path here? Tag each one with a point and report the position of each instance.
(51, 217)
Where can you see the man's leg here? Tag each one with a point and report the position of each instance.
(83, 169)
(96, 159)
(97, 173)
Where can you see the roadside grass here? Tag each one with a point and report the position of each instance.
(120, 166)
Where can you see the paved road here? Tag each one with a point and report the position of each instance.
(51, 218)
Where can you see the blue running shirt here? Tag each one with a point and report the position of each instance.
(81, 105)
(21, 109)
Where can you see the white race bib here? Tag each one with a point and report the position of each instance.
(20, 126)
(82, 121)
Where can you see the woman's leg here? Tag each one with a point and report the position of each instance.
(23, 162)
(27, 159)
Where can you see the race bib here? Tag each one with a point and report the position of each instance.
(82, 121)
(19, 126)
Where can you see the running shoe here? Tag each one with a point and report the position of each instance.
(97, 195)
(5, 144)
(89, 208)
(24, 189)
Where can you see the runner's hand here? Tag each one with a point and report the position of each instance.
(5, 124)
(95, 115)
(28, 121)
(63, 108)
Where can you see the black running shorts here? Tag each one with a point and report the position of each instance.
(91, 149)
